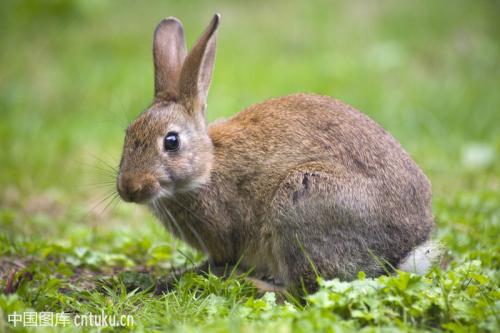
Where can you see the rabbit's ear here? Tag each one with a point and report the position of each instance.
(169, 52)
(197, 69)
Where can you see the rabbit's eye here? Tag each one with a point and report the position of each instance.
(171, 141)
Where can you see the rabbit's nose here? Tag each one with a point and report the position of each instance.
(137, 190)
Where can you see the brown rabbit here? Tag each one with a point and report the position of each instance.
(289, 189)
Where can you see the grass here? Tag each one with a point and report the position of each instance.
(73, 74)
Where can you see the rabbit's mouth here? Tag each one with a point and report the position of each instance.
(166, 190)
(138, 189)
(163, 193)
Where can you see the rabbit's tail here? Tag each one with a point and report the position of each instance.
(422, 258)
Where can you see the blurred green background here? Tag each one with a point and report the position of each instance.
(73, 74)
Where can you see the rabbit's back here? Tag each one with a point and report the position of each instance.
(266, 140)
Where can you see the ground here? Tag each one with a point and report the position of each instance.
(73, 74)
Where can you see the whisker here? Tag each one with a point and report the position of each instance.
(117, 202)
(104, 167)
(105, 163)
(109, 185)
(157, 206)
(164, 212)
(195, 233)
(103, 182)
(113, 199)
(104, 170)
(173, 223)
(109, 196)
(106, 178)
(202, 243)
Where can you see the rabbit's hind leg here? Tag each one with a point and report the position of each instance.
(311, 231)
(265, 286)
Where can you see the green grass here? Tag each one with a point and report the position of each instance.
(73, 74)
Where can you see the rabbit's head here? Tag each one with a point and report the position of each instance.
(167, 148)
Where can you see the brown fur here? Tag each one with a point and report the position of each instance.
(288, 188)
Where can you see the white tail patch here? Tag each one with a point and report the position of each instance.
(422, 258)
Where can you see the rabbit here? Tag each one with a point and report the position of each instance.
(289, 189)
